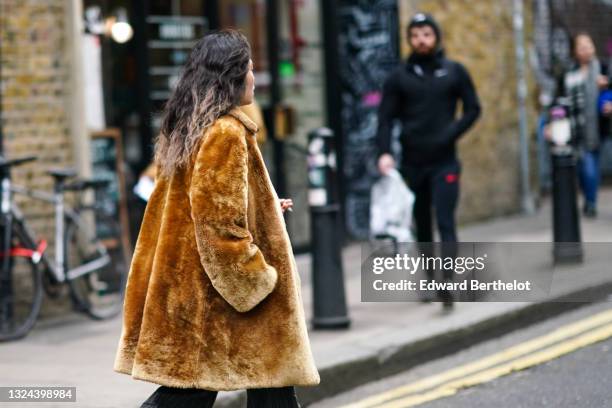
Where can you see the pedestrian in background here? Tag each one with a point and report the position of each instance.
(423, 94)
(212, 299)
(581, 87)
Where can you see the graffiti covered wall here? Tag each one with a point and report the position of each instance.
(368, 47)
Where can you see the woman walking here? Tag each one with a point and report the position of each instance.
(213, 295)
(581, 85)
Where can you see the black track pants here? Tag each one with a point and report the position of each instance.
(436, 187)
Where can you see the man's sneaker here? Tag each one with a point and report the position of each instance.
(426, 296)
(446, 297)
(590, 210)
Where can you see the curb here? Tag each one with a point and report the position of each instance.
(392, 360)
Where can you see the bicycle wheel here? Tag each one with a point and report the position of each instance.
(20, 289)
(98, 292)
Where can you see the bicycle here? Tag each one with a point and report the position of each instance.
(94, 268)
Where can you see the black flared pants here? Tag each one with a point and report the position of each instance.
(169, 397)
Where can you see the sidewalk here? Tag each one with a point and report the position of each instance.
(383, 338)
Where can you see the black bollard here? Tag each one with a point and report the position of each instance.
(566, 224)
(329, 299)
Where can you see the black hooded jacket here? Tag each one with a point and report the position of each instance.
(423, 94)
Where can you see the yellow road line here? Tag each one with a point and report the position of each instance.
(534, 359)
(555, 336)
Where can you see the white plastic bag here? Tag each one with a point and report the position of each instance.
(391, 203)
(144, 187)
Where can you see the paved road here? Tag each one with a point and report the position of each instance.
(563, 362)
(580, 379)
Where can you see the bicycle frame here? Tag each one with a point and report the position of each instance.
(57, 267)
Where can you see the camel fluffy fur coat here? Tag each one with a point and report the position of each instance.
(213, 294)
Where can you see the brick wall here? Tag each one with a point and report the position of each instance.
(35, 91)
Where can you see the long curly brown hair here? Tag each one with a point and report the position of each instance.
(212, 83)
